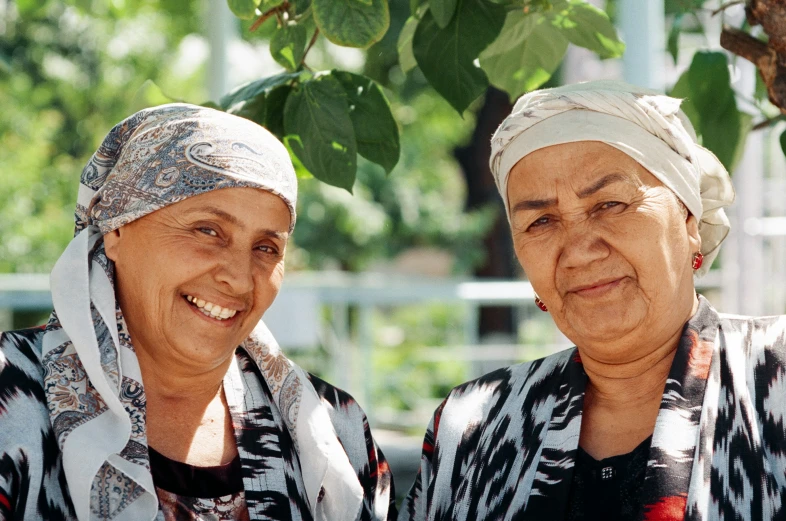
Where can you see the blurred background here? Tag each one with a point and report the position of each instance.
(399, 291)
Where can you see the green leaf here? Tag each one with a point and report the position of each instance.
(245, 9)
(319, 131)
(713, 98)
(446, 55)
(288, 45)
(406, 58)
(585, 25)
(681, 90)
(261, 101)
(673, 42)
(376, 131)
(682, 6)
(237, 97)
(414, 5)
(528, 51)
(300, 5)
(443, 11)
(352, 23)
(783, 142)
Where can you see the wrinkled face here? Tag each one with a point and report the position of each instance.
(194, 278)
(605, 245)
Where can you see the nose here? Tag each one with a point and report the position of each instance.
(582, 246)
(236, 271)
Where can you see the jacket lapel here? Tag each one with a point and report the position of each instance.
(667, 479)
(551, 487)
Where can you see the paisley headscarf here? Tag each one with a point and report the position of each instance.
(648, 126)
(92, 380)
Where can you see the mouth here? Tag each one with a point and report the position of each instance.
(598, 288)
(210, 310)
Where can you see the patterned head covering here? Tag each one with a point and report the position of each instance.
(163, 155)
(648, 126)
(92, 380)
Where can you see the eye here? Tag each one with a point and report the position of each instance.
(609, 205)
(542, 221)
(267, 248)
(208, 231)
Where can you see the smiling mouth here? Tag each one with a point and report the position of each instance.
(209, 309)
(598, 289)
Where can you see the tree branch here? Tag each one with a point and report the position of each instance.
(264, 17)
(772, 68)
(310, 45)
(726, 6)
(768, 122)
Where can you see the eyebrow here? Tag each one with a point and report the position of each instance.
(538, 204)
(221, 214)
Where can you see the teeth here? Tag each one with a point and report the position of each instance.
(212, 310)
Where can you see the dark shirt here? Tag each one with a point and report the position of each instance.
(608, 489)
(188, 492)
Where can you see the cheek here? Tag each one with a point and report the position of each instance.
(268, 283)
(538, 259)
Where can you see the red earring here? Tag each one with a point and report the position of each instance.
(540, 304)
(698, 259)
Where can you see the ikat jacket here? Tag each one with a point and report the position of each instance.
(503, 447)
(33, 485)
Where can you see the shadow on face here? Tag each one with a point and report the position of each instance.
(194, 278)
(606, 246)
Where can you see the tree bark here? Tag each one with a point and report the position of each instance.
(769, 57)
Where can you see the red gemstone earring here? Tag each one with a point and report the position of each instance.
(540, 304)
(698, 259)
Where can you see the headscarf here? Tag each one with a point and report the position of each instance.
(648, 126)
(92, 380)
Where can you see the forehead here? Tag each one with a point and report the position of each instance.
(246, 207)
(575, 165)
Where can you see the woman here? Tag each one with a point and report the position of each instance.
(665, 409)
(155, 391)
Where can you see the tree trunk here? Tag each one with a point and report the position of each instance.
(481, 191)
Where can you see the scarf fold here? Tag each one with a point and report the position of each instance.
(648, 126)
(92, 380)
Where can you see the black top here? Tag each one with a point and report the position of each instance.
(609, 489)
(198, 482)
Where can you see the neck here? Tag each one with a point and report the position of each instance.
(168, 382)
(632, 384)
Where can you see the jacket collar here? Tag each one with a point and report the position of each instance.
(674, 439)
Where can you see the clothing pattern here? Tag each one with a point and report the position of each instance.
(504, 446)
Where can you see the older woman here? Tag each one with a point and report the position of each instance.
(665, 409)
(155, 392)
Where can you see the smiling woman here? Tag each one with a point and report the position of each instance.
(665, 409)
(155, 391)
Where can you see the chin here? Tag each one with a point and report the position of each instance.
(601, 325)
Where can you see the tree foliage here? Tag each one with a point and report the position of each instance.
(460, 46)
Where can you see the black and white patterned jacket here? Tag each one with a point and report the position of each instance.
(503, 447)
(33, 485)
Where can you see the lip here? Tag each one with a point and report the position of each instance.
(598, 288)
(224, 323)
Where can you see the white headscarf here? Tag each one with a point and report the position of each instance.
(648, 126)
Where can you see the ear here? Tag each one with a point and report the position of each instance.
(112, 244)
(692, 227)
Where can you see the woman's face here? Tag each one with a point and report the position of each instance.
(605, 245)
(222, 250)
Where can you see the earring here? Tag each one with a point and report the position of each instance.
(698, 259)
(540, 304)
